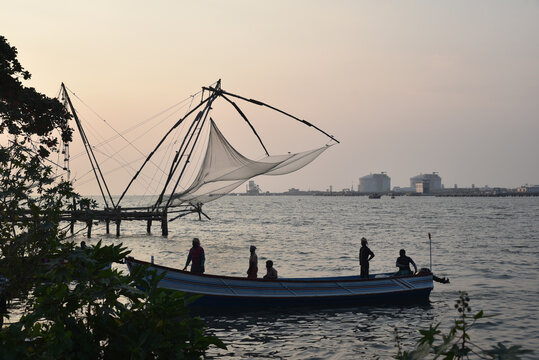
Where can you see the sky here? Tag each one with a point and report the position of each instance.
(407, 87)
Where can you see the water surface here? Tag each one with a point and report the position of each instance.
(486, 246)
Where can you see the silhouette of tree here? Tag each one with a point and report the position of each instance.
(74, 304)
(26, 113)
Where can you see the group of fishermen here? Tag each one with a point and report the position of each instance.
(196, 258)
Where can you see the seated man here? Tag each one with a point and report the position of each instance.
(271, 272)
(403, 263)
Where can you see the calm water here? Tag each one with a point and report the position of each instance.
(486, 246)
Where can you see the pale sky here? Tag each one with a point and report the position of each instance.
(407, 87)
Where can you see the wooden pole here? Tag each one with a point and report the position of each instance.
(157, 147)
(72, 223)
(201, 121)
(177, 158)
(118, 222)
(107, 225)
(89, 225)
(164, 223)
(89, 151)
(149, 226)
(221, 92)
(247, 120)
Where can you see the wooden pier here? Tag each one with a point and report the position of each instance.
(115, 216)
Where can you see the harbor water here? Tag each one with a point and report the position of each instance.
(486, 246)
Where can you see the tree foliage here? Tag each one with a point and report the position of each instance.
(30, 198)
(75, 304)
(25, 112)
(457, 343)
(85, 309)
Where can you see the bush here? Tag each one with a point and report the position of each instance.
(456, 344)
(85, 309)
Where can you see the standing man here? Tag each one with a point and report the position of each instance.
(252, 272)
(365, 255)
(196, 255)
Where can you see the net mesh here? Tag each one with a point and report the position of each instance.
(224, 169)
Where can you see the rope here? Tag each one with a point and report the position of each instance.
(168, 151)
(116, 153)
(124, 164)
(105, 121)
(118, 134)
(200, 157)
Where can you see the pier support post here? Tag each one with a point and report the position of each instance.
(107, 226)
(164, 223)
(89, 225)
(72, 224)
(149, 226)
(118, 222)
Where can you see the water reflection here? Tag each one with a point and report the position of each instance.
(314, 332)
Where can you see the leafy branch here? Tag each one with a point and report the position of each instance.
(457, 344)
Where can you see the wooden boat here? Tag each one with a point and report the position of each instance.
(223, 169)
(222, 293)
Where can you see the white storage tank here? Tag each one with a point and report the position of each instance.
(375, 183)
(433, 180)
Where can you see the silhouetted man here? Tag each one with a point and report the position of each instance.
(365, 255)
(196, 255)
(252, 272)
(403, 263)
(271, 272)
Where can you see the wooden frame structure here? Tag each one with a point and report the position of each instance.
(113, 212)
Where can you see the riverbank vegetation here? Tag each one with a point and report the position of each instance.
(74, 303)
(457, 343)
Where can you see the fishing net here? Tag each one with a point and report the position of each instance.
(224, 169)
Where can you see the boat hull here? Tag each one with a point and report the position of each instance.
(219, 303)
(234, 293)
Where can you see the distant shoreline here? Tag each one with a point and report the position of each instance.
(463, 193)
(386, 194)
